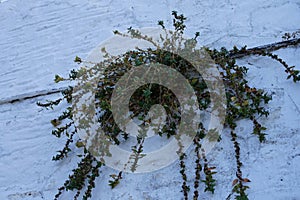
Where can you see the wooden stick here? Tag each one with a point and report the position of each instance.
(252, 51)
(31, 95)
(266, 48)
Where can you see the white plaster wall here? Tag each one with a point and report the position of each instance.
(39, 39)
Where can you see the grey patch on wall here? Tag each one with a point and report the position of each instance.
(26, 195)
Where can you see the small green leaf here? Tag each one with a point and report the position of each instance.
(58, 78)
(79, 144)
(77, 60)
(55, 122)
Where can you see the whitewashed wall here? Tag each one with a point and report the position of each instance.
(39, 39)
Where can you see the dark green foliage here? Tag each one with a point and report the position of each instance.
(198, 167)
(185, 187)
(209, 181)
(116, 180)
(87, 169)
(243, 102)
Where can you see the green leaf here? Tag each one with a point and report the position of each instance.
(79, 144)
(58, 78)
(77, 60)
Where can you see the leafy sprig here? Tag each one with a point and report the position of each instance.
(243, 102)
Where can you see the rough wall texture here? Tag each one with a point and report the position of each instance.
(39, 39)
